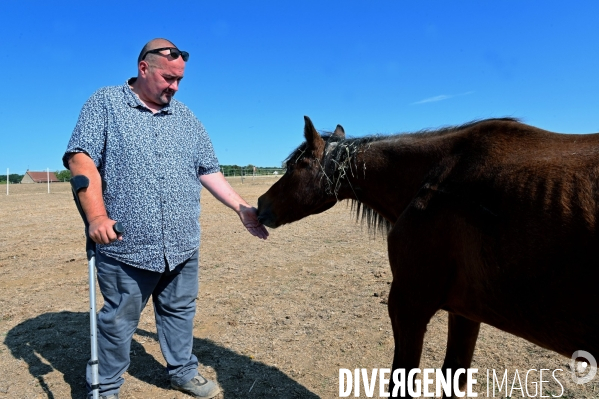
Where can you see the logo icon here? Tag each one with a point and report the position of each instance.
(585, 370)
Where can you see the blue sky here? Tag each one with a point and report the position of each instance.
(256, 68)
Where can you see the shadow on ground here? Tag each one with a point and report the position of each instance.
(60, 341)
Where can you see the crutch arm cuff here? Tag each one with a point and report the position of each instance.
(79, 182)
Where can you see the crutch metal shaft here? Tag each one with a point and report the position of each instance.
(78, 183)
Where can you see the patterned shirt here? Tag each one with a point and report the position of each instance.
(151, 164)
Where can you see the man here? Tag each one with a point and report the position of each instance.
(154, 156)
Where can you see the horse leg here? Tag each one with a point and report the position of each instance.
(418, 248)
(409, 326)
(461, 340)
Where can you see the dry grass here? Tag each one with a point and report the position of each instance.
(276, 319)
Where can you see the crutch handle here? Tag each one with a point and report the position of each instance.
(118, 228)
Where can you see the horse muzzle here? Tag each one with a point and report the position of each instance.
(265, 214)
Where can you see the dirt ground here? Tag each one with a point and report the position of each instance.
(275, 318)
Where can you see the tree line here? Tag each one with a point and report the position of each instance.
(236, 170)
(13, 178)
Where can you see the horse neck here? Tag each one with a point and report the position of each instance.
(386, 174)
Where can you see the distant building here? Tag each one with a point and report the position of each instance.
(39, 177)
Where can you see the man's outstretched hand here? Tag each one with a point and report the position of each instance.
(249, 218)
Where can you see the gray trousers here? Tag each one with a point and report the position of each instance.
(126, 291)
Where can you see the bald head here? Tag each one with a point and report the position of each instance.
(151, 45)
(158, 73)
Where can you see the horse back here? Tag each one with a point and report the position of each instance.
(520, 205)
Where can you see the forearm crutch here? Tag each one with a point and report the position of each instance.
(78, 183)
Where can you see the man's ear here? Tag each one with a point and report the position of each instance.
(144, 68)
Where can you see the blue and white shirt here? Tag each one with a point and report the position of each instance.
(151, 164)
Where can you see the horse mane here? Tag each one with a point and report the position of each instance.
(340, 159)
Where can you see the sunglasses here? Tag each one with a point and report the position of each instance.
(175, 53)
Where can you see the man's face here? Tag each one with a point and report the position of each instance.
(162, 78)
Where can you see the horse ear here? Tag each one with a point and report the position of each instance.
(315, 142)
(339, 132)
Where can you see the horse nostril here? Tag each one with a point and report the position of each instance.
(266, 217)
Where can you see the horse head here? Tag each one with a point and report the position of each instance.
(305, 188)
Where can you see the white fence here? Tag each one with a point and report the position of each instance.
(246, 172)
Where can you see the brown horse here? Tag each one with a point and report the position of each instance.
(496, 220)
